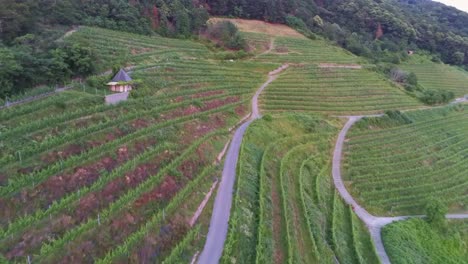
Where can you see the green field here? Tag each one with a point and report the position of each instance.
(83, 172)
(438, 76)
(303, 50)
(286, 209)
(394, 168)
(415, 241)
(334, 91)
(82, 181)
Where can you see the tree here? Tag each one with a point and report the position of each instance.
(79, 59)
(318, 21)
(458, 58)
(9, 69)
(435, 213)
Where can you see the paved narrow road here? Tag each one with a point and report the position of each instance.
(217, 232)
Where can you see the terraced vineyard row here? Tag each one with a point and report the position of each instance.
(395, 168)
(439, 76)
(334, 91)
(303, 50)
(120, 183)
(286, 209)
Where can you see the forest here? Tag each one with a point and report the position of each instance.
(31, 52)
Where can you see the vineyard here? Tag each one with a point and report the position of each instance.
(334, 91)
(394, 165)
(86, 182)
(438, 76)
(286, 209)
(121, 183)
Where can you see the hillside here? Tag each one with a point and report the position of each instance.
(381, 31)
(144, 180)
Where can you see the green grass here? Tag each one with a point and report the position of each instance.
(394, 168)
(438, 76)
(303, 50)
(334, 91)
(286, 209)
(415, 241)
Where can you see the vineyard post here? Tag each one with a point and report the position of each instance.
(99, 219)
(19, 156)
(29, 259)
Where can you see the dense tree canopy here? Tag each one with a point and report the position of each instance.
(31, 55)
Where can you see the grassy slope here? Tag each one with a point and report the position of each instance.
(334, 91)
(395, 168)
(415, 241)
(438, 76)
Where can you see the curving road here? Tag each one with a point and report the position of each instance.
(217, 232)
(373, 223)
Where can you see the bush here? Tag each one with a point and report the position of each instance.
(227, 35)
(268, 118)
(398, 116)
(432, 97)
(228, 55)
(435, 213)
(299, 25)
(97, 82)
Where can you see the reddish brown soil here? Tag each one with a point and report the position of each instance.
(240, 111)
(190, 167)
(219, 103)
(93, 202)
(32, 239)
(190, 110)
(282, 49)
(165, 190)
(135, 51)
(159, 243)
(207, 94)
(278, 254)
(199, 95)
(88, 206)
(121, 226)
(59, 185)
(3, 179)
(140, 123)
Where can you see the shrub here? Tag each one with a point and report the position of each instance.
(97, 82)
(435, 213)
(227, 35)
(299, 25)
(268, 118)
(398, 116)
(227, 55)
(432, 97)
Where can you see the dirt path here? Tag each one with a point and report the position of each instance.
(373, 223)
(217, 232)
(339, 66)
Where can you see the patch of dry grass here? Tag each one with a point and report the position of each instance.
(258, 26)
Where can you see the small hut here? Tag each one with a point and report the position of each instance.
(121, 82)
